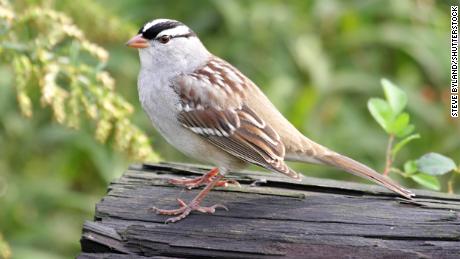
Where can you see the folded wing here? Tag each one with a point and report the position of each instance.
(212, 106)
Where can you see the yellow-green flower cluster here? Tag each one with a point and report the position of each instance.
(69, 71)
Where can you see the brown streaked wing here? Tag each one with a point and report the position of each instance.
(212, 106)
(249, 142)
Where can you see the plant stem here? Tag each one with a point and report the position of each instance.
(450, 183)
(398, 171)
(389, 157)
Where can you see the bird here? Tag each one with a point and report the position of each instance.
(210, 111)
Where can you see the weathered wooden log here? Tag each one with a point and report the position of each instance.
(270, 216)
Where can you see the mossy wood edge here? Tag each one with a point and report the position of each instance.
(270, 216)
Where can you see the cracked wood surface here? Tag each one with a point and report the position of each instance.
(277, 217)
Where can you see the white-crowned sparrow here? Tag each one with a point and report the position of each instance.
(210, 111)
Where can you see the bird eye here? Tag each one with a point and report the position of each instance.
(164, 39)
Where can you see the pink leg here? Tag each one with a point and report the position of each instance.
(185, 209)
(203, 180)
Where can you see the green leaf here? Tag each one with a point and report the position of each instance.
(396, 97)
(402, 143)
(399, 124)
(410, 167)
(435, 164)
(428, 181)
(408, 130)
(381, 111)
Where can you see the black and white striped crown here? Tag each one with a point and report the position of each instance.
(159, 27)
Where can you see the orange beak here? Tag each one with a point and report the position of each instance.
(137, 42)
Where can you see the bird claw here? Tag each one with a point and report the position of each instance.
(225, 183)
(185, 209)
(202, 180)
(188, 183)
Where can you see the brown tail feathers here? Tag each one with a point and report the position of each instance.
(351, 166)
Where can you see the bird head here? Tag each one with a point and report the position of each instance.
(167, 43)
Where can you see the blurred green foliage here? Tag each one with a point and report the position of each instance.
(318, 61)
(49, 52)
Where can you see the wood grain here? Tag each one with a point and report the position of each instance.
(277, 218)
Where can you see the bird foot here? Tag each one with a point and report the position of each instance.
(203, 180)
(185, 209)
